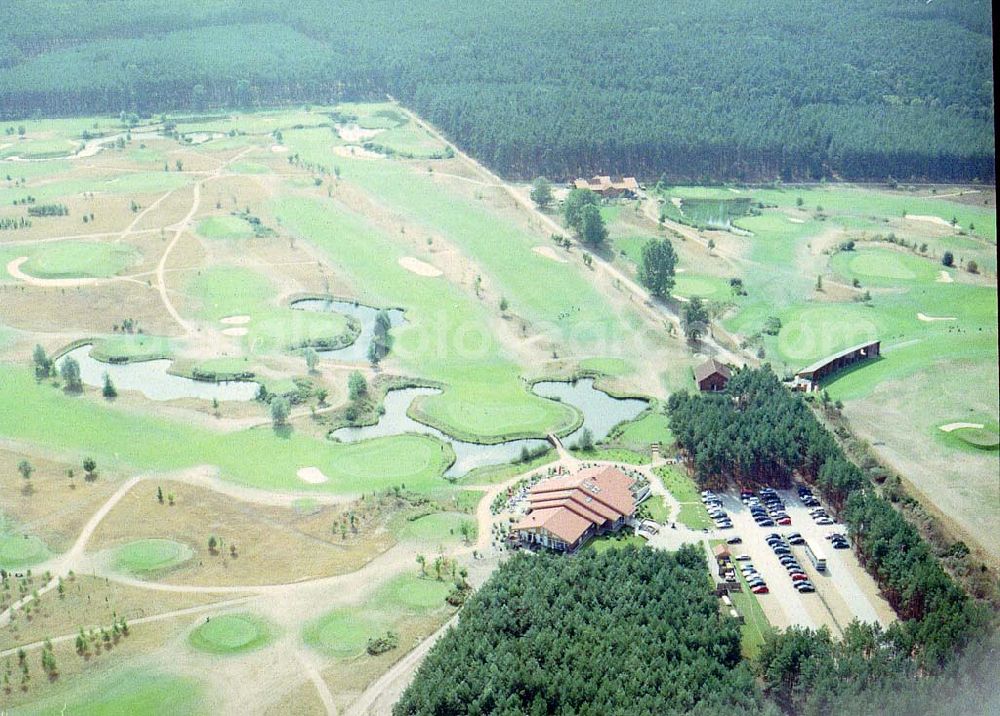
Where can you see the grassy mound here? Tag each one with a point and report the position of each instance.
(343, 632)
(231, 634)
(707, 287)
(438, 527)
(224, 227)
(151, 555)
(80, 259)
(981, 438)
(130, 692)
(18, 551)
(882, 267)
(131, 348)
(814, 332)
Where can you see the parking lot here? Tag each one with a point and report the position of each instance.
(844, 591)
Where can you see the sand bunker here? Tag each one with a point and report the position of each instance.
(549, 253)
(924, 317)
(945, 277)
(958, 426)
(355, 134)
(235, 320)
(312, 475)
(279, 148)
(419, 267)
(352, 152)
(929, 219)
(796, 221)
(234, 331)
(676, 201)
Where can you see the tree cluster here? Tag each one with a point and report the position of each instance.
(624, 632)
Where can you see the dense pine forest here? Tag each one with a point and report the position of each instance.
(698, 90)
(624, 632)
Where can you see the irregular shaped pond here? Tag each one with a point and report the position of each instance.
(600, 412)
(357, 351)
(152, 379)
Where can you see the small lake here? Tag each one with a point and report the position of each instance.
(601, 412)
(152, 379)
(365, 315)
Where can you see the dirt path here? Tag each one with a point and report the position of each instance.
(313, 673)
(14, 269)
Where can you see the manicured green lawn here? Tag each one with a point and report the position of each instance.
(151, 555)
(131, 346)
(614, 541)
(345, 632)
(709, 288)
(682, 487)
(657, 509)
(17, 550)
(437, 527)
(613, 455)
(231, 634)
(257, 457)
(755, 625)
(650, 428)
(120, 692)
(224, 227)
(883, 267)
(412, 593)
(607, 366)
(80, 259)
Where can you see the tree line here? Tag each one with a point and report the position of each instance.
(757, 432)
(803, 90)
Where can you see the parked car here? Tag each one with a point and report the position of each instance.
(805, 587)
(736, 539)
(762, 589)
(743, 558)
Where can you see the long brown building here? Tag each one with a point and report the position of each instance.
(567, 511)
(609, 187)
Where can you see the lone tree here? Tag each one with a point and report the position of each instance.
(357, 386)
(25, 468)
(279, 411)
(695, 319)
(43, 364)
(109, 391)
(541, 193)
(657, 267)
(381, 338)
(573, 207)
(586, 441)
(312, 359)
(948, 259)
(593, 232)
(90, 468)
(70, 372)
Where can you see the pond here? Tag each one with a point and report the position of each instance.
(365, 315)
(152, 379)
(600, 412)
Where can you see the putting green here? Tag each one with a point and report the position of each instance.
(231, 634)
(883, 266)
(224, 227)
(18, 551)
(131, 347)
(981, 438)
(344, 632)
(607, 366)
(415, 593)
(709, 287)
(80, 259)
(817, 331)
(151, 555)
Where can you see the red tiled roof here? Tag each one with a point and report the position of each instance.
(567, 506)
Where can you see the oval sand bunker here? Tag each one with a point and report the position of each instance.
(235, 320)
(238, 331)
(419, 267)
(312, 475)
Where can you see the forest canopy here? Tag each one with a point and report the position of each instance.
(700, 90)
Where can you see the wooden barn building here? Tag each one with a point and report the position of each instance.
(567, 511)
(809, 378)
(712, 376)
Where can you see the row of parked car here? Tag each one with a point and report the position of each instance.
(754, 581)
(783, 551)
(766, 507)
(838, 540)
(713, 504)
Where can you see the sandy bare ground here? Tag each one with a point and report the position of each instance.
(355, 134)
(353, 152)
(279, 148)
(14, 269)
(929, 319)
(929, 219)
(235, 320)
(312, 475)
(796, 221)
(421, 268)
(235, 331)
(958, 426)
(944, 277)
(549, 253)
